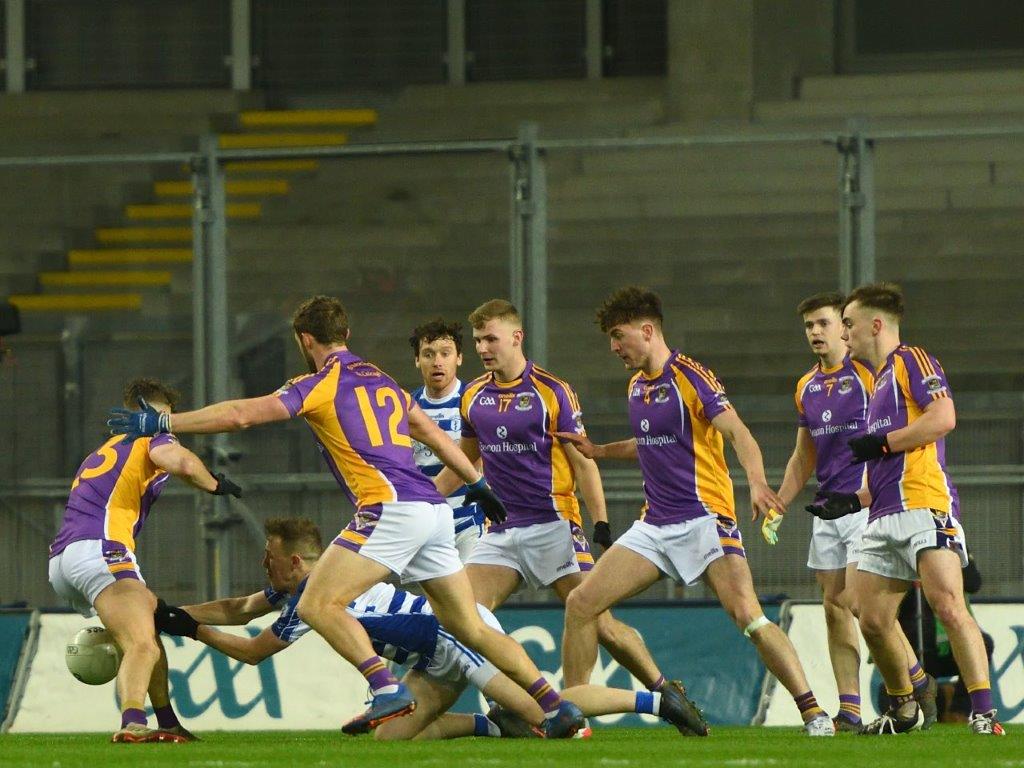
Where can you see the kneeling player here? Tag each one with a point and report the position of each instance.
(403, 628)
(93, 565)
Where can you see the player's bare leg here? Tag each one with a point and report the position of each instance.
(943, 586)
(339, 576)
(620, 573)
(623, 642)
(160, 698)
(492, 584)
(126, 610)
(428, 721)
(729, 577)
(843, 643)
(451, 597)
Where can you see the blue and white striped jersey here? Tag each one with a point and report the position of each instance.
(445, 413)
(401, 626)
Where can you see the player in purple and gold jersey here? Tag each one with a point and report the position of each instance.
(364, 424)
(93, 564)
(832, 403)
(680, 414)
(913, 530)
(509, 417)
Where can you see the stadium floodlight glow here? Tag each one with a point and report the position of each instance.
(92, 656)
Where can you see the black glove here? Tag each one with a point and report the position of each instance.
(480, 493)
(602, 534)
(836, 505)
(174, 621)
(868, 447)
(226, 487)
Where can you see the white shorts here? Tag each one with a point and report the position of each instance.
(414, 539)
(456, 664)
(466, 540)
(85, 568)
(835, 544)
(683, 551)
(542, 553)
(891, 544)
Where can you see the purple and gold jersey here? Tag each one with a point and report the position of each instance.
(112, 493)
(523, 462)
(833, 407)
(681, 454)
(908, 381)
(360, 418)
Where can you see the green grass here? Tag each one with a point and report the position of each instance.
(609, 748)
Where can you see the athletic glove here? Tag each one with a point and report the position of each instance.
(868, 447)
(135, 424)
(174, 621)
(480, 493)
(770, 527)
(836, 505)
(602, 534)
(226, 487)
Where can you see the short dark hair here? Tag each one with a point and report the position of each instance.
(433, 330)
(820, 301)
(628, 304)
(298, 535)
(324, 318)
(151, 390)
(495, 309)
(885, 297)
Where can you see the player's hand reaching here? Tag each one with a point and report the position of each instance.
(480, 493)
(836, 505)
(770, 526)
(763, 499)
(172, 620)
(135, 424)
(602, 534)
(581, 443)
(226, 487)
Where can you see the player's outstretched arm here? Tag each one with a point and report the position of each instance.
(227, 416)
(250, 650)
(762, 498)
(181, 462)
(622, 449)
(230, 610)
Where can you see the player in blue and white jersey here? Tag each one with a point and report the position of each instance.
(437, 350)
(402, 628)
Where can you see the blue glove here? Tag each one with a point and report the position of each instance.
(135, 424)
(480, 493)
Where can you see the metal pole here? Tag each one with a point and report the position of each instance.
(200, 221)
(528, 269)
(595, 40)
(14, 52)
(517, 185)
(856, 210)
(456, 56)
(241, 45)
(74, 422)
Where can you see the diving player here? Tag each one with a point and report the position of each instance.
(832, 403)
(913, 530)
(437, 352)
(679, 413)
(403, 629)
(93, 564)
(509, 416)
(364, 424)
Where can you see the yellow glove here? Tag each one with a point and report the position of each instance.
(770, 527)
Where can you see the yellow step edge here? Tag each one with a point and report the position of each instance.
(144, 234)
(271, 166)
(106, 277)
(152, 211)
(278, 140)
(85, 257)
(84, 302)
(232, 187)
(264, 118)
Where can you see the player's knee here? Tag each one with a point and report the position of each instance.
(875, 625)
(836, 607)
(315, 608)
(951, 611)
(581, 607)
(140, 645)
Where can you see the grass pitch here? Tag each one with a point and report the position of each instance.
(609, 748)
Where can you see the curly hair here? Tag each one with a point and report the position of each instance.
(628, 304)
(432, 331)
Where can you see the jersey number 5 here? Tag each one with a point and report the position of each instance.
(370, 418)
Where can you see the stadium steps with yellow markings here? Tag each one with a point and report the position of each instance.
(105, 235)
(171, 211)
(88, 279)
(124, 257)
(86, 302)
(239, 187)
(290, 118)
